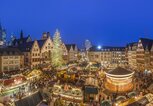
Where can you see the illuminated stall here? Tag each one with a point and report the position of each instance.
(119, 80)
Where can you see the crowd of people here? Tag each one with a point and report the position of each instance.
(143, 81)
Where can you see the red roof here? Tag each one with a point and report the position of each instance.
(11, 81)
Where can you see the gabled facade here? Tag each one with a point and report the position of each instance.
(72, 50)
(151, 57)
(21, 40)
(35, 54)
(144, 54)
(31, 53)
(46, 46)
(65, 52)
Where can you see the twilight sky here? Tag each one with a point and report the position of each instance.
(103, 22)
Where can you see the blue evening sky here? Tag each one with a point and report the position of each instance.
(103, 22)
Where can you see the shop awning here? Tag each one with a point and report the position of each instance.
(91, 90)
(141, 102)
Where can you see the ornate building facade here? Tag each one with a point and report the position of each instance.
(39, 51)
(140, 54)
(72, 50)
(144, 54)
(107, 55)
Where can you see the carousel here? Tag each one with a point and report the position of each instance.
(119, 80)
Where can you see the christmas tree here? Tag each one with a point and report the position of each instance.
(57, 59)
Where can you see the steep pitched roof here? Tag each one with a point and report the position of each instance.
(147, 43)
(23, 40)
(68, 46)
(26, 47)
(132, 45)
(8, 51)
(41, 42)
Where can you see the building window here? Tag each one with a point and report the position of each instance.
(11, 68)
(16, 67)
(5, 57)
(16, 57)
(11, 57)
(5, 68)
(16, 62)
(11, 62)
(5, 62)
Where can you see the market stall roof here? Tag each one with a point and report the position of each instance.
(141, 102)
(119, 71)
(105, 103)
(91, 90)
(33, 72)
(132, 94)
(10, 81)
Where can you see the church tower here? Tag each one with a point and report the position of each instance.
(45, 35)
(2, 36)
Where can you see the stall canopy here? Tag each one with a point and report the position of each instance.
(91, 90)
(141, 102)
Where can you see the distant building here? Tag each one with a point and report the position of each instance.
(12, 40)
(88, 45)
(21, 40)
(72, 50)
(107, 56)
(45, 35)
(11, 59)
(2, 36)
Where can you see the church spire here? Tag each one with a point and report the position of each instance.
(1, 26)
(21, 34)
